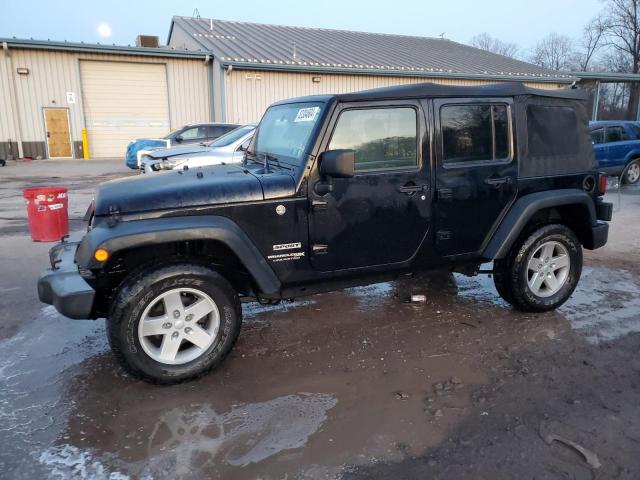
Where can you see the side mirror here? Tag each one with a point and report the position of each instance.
(338, 163)
(243, 147)
(178, 138)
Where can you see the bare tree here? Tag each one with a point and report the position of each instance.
(622, 33)
(484, 41)
(555, 52)
(592, 40)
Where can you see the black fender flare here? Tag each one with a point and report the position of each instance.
(524, 208)
(149, 232)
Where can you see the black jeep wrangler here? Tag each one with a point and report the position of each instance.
(336, 191)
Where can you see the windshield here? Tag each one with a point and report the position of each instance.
(285, 130)
(232, 136)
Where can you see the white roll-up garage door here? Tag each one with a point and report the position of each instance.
(123, 101)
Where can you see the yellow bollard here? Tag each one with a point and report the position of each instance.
(85, 144)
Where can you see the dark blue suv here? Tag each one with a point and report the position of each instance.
(617, 148)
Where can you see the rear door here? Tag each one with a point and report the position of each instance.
(476, 175)
(618, 145)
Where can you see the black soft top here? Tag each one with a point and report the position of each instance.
(426, 90)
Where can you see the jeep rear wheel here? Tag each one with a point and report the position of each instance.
(173, 323)
(542, 271)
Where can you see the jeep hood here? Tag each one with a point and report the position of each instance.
(196, 187)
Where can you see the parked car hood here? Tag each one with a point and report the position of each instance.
(196, 187)
(175, 151)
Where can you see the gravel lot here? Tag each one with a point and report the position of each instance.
(356, 384)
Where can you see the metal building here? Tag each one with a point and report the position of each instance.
(256, 64)
(212, 70)
(50, 91)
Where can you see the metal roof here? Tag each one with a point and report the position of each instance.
(99, 48)
(266, 46)
(430, 90)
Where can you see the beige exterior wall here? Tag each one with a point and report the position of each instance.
(52, 74)
(250, 92)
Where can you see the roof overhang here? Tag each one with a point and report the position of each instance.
(607, 77)
(99, 48)
(419, 73)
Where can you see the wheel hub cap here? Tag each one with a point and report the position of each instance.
(548, 269)
(161, 330)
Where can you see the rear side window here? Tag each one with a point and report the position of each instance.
(597, 136)
(615, 134)
(552, 131)
(635, 128)
(475, 133)
(382, 138)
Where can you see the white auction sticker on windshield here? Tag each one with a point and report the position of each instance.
(307, 114)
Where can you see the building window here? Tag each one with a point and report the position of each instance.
(475, 133)
(382, 138)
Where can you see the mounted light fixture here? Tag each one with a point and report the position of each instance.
(315, 79)
(22, 71)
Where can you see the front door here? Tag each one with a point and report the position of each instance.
(56, 124)
(476, 174)
(381, 215)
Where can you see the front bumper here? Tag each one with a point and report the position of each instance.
(62, 285)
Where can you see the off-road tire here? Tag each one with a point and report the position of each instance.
(633, 164)
(502, 280)
(142, 288)
(511, 275)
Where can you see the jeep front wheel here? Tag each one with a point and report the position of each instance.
(542, 271)
(173, 323)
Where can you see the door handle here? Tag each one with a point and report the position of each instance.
(497, 181)
(48, 135)
(410, 189)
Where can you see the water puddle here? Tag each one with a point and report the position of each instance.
(32, 411)
(246, 434)
(605, 306)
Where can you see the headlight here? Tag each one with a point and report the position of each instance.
(173, 163)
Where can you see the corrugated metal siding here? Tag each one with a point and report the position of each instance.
(52, 74)
(7, 130)
(250, 92)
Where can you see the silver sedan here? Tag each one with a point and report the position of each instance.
(228, 148)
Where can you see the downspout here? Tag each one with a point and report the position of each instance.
(14, 102)
(208, 61)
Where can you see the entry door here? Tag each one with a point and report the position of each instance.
(56, 124)
(476, 175)
(381, 215)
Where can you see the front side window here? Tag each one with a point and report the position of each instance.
(473, 133)
(615, 134)
(382, 138)
(597, 136)
(285, 131)
(635, 128)
(193, 133)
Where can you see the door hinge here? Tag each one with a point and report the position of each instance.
(443, 235)
(445, 193)
(318, 205)
(318, 249)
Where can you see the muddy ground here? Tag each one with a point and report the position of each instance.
(356, 384)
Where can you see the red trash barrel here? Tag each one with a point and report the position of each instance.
(47, 209)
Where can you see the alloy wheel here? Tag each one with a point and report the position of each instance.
(179, 326)
(548, 269)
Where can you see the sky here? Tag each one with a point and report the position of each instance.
(117, 21)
